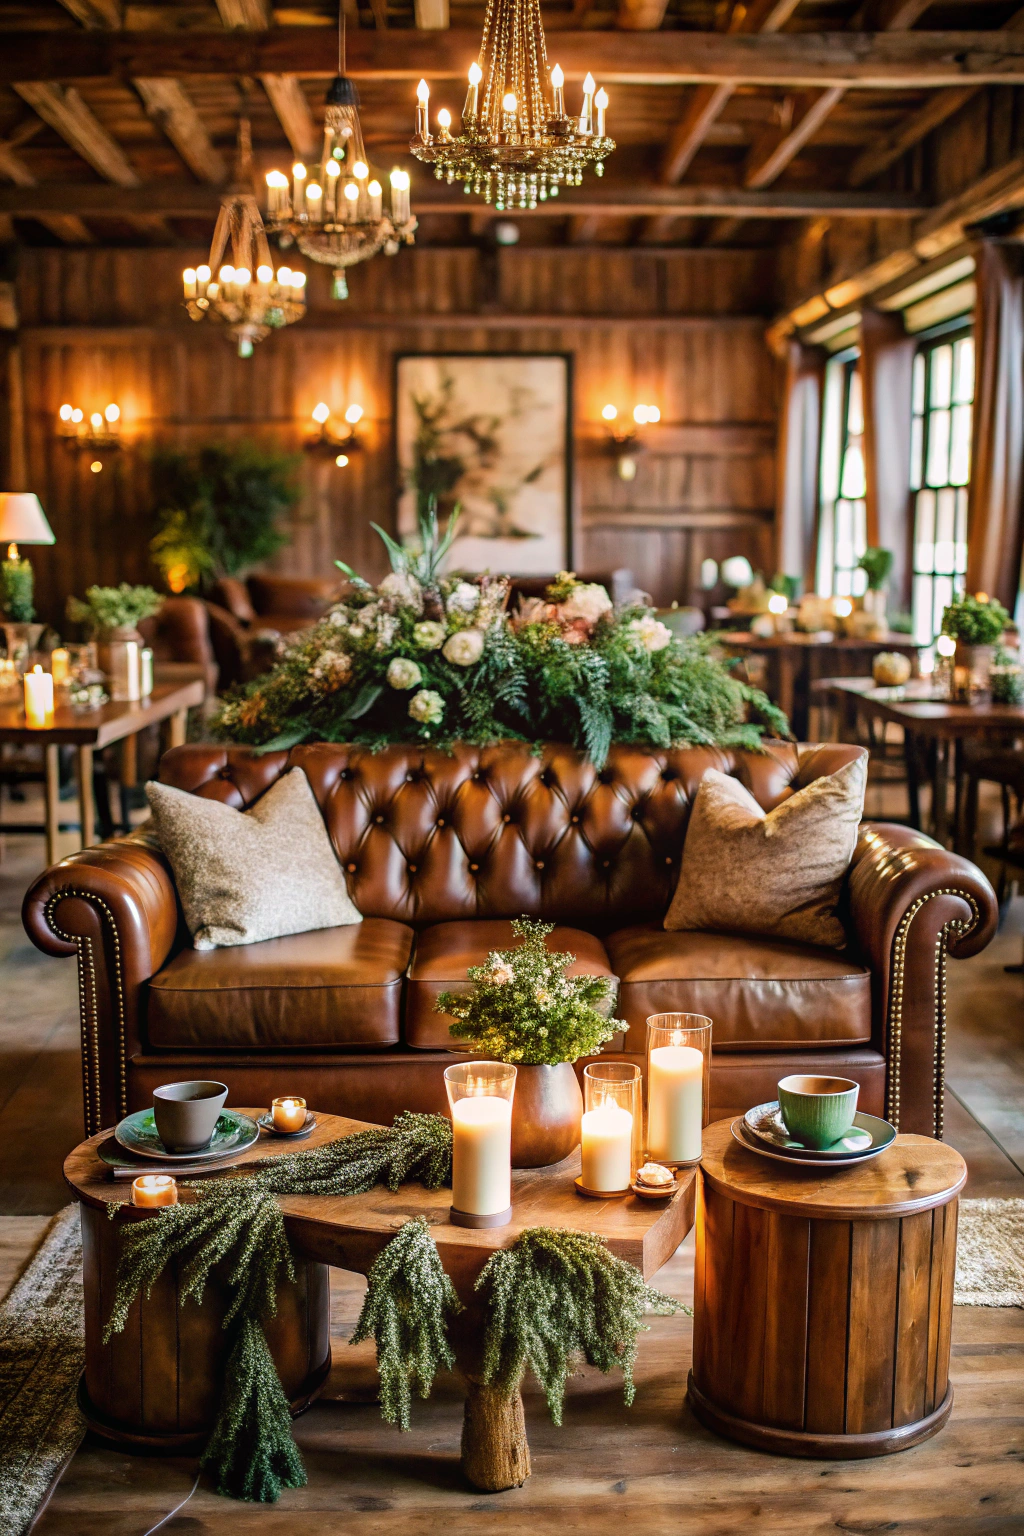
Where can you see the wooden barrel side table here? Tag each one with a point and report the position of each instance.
(823, 1302)
(157, 1384)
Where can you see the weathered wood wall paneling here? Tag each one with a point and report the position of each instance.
(108, 325)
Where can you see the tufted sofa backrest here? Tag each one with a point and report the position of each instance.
(426, 836)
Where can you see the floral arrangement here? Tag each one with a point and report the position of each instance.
(524, 1008)
(431, 658)
(107, 608)
(976, 620)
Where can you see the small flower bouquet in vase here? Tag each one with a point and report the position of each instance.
(525, 1009)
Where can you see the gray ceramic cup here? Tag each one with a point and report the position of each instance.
(186, 1113)
(818, 1110)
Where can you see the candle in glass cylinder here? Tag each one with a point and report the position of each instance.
(607, 1137)
(60, 666)
(675, 1103)
(482, 1155)
(38, 698)
(146, 666)
(289, 1113)
(153, 1189)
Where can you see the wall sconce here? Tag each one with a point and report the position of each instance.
(96, 431)
(623, 439)
(328, 438)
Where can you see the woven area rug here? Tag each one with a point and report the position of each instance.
(990, 1254)
(42, 1352)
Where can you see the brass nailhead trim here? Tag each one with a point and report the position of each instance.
(895, 1033)
(89, 1010)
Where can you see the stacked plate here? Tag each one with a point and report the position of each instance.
(233, 1133)
(763, 1130)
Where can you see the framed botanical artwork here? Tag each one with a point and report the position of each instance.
(490, 433)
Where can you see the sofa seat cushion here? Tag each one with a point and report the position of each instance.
(333, 987)
(444, 954)
(761, 994)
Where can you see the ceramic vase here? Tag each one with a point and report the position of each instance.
(546, 1114)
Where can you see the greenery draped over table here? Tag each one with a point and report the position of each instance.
(550, 1297)
(437, 659)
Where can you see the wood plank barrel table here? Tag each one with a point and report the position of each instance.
(823, 1300)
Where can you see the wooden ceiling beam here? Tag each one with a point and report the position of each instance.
(251, 14)
(95, 13)
(766, 162)
(170, 107)
(600, 199)
(66, 226)
(876, 61)
(641, 15)
(583, 229)
(289, 103)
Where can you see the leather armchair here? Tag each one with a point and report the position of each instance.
(440, 851)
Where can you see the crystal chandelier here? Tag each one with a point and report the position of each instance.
(337, 216)
(246, 295)
(514, 148)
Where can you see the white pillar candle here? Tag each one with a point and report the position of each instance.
(482, 1155)
(38, 698)
(607, 1138)
(131, 667)
(675, 1104)
(60, 666)
(145, 672)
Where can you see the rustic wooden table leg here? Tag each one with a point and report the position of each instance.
(495, 1452)
(129, 778)
(940, 790)
(178, 727)
(52, 754)
(86, 809)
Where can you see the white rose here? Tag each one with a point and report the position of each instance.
(339, 616)
(387, 629)
(429, 635)
(652, 634)
(501, 974)
(403, 673)
(463, 598)
(404, 587)
(588, 601)
(465, 648)
(426, 706)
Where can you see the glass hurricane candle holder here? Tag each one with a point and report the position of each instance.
(154, 1189)
(288, 1113)
(678, 1086)
(480, 1098)
(612, 1128)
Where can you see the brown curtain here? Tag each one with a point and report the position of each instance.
(799, 442)
(887, 363)
(995, 518)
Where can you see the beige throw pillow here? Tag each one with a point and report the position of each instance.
(776, 874)
(245, 876)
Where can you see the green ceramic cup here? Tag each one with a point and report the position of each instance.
(818, 1110)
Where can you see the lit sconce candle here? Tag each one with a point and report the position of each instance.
(145, 672)
(277, 194)
(264, 276)
(376, 193)
(189, 279)
(203, 284)
(353, 414)
(480, 1099)
(509, 109)
(422, 112)
(77, 416)
(558, 85)
(361, 171)
(65, 412)
(607, 1146)
(243, 277)
(400, 208)
(601, 103)
(38, 698)
(112, 415)
(341, 460)
(60, 666)
(96, 421)
(155, 1189)
(587, 115)
(203, 275)
(444, 123)
(284, 280)
(298, 189)
(314, 201)
(469, 111)
(640, 415)
(298, 287)
(288, 1113)
(333, 171)
(321, 413)
(351, 199)
(226, 276)
(609, 412)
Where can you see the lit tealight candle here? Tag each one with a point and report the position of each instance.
(607, 1141)
(60, 666)
(38, 698)
(289, 1114)
(675, 1104)
(153, 1189)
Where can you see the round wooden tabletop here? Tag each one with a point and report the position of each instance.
(914, 1174)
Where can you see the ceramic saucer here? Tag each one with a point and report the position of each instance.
(866, 1136)
(750, 1142)
(266, 1123)
(232, 1134)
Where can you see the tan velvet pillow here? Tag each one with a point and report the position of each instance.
(776, 874)
(245, 876)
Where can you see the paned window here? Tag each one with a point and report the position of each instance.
(842, 523)
(940, 469)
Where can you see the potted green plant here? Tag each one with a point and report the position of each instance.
(976, 622)
(877, 566)
(110, 616)
(525, 1009)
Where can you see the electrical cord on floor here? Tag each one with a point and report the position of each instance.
(174, 1511)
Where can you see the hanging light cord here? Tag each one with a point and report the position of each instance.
(341, 37)
(174, 1511)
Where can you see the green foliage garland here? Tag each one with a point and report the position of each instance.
(555, 1295)
(523, 1007)
(408, 1300)
(238, 1222)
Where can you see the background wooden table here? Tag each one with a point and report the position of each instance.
(797, 661)
(176, 690)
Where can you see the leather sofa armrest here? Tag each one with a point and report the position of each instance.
(911, 905)
(115, 907)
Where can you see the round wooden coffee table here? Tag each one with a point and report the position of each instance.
(823, 1300)
(134, 1386)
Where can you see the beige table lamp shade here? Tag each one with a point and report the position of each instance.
(22, 519)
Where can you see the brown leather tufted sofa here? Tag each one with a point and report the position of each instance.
(440, 853)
